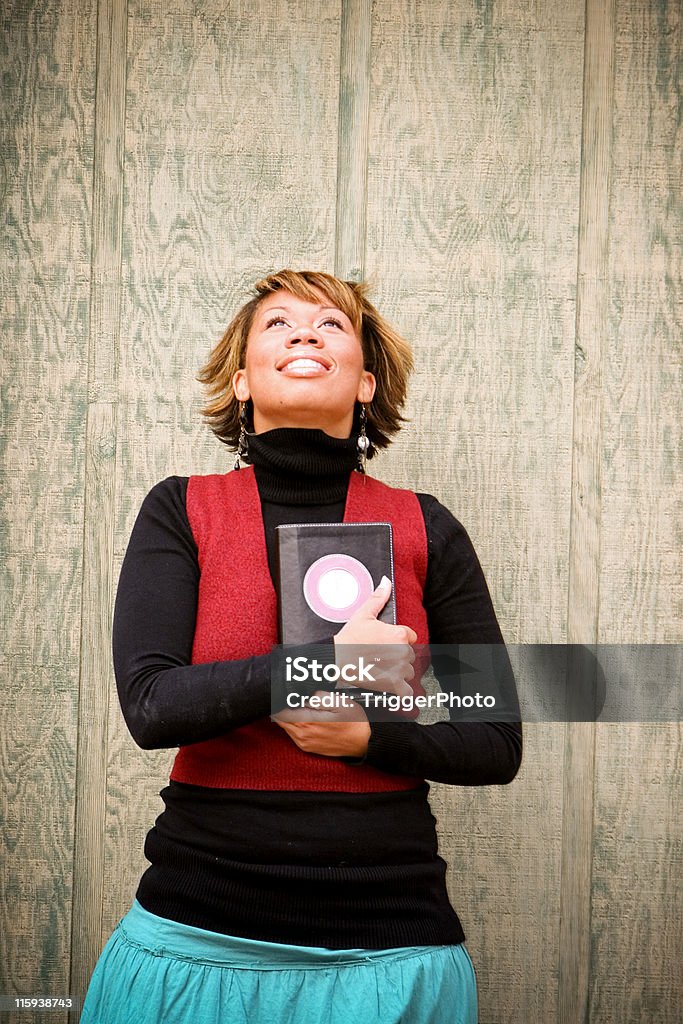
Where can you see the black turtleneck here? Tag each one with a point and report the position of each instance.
(295, 466)
(340, 870)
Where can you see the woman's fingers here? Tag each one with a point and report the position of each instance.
(383, 645)
(365, 628)
(374, 604)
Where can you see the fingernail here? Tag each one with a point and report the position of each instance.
(384, 583)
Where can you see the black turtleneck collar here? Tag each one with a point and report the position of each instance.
(297, 466)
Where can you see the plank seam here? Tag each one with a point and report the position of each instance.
(352, 144)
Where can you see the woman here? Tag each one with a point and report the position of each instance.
(294, 872)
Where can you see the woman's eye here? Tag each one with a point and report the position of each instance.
(331, 320)
(274, 321)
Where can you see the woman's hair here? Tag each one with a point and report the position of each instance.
(385, 354)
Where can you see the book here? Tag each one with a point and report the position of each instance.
(326, 571)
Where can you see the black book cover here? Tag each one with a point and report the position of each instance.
(326, 571)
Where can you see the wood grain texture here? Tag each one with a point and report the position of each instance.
(45, 179)
(100, 467)
(591, 323)
(473, 187)
(586, 496)
(504, 861)
(475, 138)
(531, 255)
(230, 171)
(637, 903)
(642, 533)
(352, 152)
(637, 911)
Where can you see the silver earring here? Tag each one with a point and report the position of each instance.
(242, 443)
(363, 442)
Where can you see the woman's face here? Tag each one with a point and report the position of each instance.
(303, 366)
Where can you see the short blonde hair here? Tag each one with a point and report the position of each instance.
(385, 353)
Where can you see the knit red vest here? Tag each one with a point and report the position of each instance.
(237, 618)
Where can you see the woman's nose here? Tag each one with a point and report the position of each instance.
(304, 334)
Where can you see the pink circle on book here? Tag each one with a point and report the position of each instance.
(335, 587)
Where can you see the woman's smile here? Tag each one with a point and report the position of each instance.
(304, 366)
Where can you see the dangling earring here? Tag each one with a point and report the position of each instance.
(242, 443)
(363, 442)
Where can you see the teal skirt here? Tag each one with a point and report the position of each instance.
(154, 970)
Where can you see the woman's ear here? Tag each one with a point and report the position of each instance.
(366, 388)
(240, 386)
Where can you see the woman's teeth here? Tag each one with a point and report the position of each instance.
(307, 366)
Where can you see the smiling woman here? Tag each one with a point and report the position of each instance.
(304, 840)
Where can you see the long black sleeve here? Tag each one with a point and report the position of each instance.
(165, 700)
(459, 611)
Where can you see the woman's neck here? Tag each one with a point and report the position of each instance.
(298, 466)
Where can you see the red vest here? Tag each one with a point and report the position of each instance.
(237, 618)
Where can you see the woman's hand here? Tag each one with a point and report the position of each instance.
(343, 730)
(391, 665)
(340, 732)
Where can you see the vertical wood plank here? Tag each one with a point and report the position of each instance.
(47, 56)
(352, 152)
(95, 662)
(473, 187)
(637, 912)
(475, 128)
(643, 409)
(591, 324)
(586, 496)
(637, 906)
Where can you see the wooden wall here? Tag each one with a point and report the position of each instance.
(508, 173)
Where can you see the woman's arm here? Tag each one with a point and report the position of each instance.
(459, 611)
(165, 700)
(457, 753)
